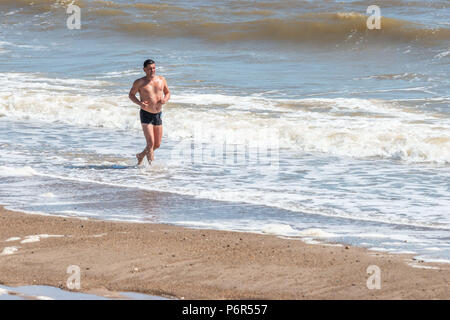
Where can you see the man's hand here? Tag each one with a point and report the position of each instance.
(166, 92)
(144, 104)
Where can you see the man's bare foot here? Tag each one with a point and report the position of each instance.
(140, 157)
(150, 156)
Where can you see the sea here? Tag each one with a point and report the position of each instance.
(293, 118)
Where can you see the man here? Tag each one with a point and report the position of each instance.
(153, 93)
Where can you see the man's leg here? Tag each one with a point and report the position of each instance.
(157, 133)
(150, 139)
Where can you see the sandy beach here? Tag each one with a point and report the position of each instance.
(184, 263)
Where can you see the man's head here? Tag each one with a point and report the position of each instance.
(149, 67)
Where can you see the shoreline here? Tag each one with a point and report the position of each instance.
(183, 263)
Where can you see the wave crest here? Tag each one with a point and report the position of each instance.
(342, 126)
(317, 27)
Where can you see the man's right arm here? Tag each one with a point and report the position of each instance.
(134, 89)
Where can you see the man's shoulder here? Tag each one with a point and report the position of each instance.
(139, 81)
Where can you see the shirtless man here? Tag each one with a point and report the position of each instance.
(153, 93)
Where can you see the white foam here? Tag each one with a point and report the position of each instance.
(394, 243)
(17, 45)
(3, 291)
(318, 233)
(113, 112)
(310, 241)
(404, 252)
(435, 260)
(39, 213)
(418, 266)
(47, 195)
(432, 249)
(443, 54)
(43, 298)
(9, 250)
(77, 213)
(404, 238)
(45, 236)
(279, 229)
(334, 133)
(379, 129)
(253, 198)
(332, 244)
(38, 237)
(29, 239)
(287, 230)
(118, 74)
(12, 239)
(39, 81)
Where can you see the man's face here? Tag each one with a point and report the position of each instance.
(150, 69)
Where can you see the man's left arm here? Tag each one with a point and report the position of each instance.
(166, 91)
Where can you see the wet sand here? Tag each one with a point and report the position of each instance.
(172, 261)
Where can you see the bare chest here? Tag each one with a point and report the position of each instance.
(152, 87)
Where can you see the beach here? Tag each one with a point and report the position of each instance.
(305, 151)
(288, 118)
(183, 263)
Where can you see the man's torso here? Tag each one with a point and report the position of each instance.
(152, 92)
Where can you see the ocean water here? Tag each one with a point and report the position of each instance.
(36, 292)
(288, 117)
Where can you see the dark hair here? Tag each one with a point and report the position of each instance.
(148, 61)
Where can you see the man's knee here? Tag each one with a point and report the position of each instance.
(156, 146)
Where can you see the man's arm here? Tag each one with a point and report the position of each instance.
(134, 89)
(166, 91)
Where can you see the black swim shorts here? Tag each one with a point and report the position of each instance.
(151, 118)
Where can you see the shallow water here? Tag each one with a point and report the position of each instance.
(52, 293)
